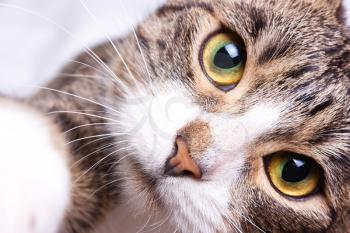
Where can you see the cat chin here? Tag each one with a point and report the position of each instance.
(182, 204)
(34, 174)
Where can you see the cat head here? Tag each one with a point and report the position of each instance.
(236, 115)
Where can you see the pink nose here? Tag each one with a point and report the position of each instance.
(181, 163)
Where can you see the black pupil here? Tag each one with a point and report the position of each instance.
(228, 57)
(296, 170)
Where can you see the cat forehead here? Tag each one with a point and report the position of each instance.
(251, 18)
(330, 6)
(331, 9)
(270, 28)
(282, 38)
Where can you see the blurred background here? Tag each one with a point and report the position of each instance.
(38, 36)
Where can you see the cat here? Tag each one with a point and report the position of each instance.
(211, 116)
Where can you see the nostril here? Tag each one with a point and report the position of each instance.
(180, 163)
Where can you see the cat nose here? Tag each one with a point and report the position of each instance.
(181, 163)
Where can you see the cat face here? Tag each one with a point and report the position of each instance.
(238, 117)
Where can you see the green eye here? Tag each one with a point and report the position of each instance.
(293, 174)
(223, 61)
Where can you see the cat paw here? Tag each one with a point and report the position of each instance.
(34, 172)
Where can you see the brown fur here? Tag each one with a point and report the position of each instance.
(198, 137)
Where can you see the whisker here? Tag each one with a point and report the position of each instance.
(112, 43)
(101, 148)
(71, 75)
(104, 74)
(91, 142)
(144, 225)
(141, 51)
(249, 220)
(158, 224)
(99, 162)
(90, 110)
(79, 97)
(92, 67)
(96, 136)
(86, 125)
(236, 227)
(84, 114)
(105, 185)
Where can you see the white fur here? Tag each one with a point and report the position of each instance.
(34, 178)
(153, 121)
(232, 134)
(152, 125)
